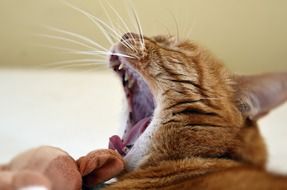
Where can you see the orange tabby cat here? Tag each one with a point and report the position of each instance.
(192, 124)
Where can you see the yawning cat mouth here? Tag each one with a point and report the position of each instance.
(140, 104)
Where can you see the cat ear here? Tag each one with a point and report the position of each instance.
(257, 95)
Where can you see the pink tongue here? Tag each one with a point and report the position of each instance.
(117, 144)
(136, 131)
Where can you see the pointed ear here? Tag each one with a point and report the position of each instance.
(257, 95)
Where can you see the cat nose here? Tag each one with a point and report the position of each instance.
(129, 35)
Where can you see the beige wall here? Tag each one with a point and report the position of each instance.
(249, 35)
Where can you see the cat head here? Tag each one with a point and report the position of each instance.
(184, 103)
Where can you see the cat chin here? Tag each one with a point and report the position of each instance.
(140, 151)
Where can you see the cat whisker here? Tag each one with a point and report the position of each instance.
(111, 38)
(123, 55)
(101, 24)
(123, 42)
(74, 51)
(78, 36)
(81, 61)
(92, 18)
(104, 53)
(74, 65)
(121, 19)
(176, 25)
(126, 44)
(58, 48)
(89, 52)
(65, 39)
(138, 24)
(119, 29)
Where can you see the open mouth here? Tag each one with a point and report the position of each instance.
(140, 105)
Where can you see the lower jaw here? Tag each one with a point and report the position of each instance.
(123, 145)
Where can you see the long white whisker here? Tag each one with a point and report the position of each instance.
(108, 36)
(122, 55)
(118, 15)
(138, 24)
(176, 25)
(94, 61)
(120, 18)
(92, 18)
(102, 53)
(73, 65)
(74, 51)
(109, 18)
(91, 52)
(123, 23)
(58, 48)
(84, 38)
(98, 22)
(112, 24)
(66, 39)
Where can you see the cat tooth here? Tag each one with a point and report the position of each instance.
(121, 66)
(126, 149)
(127, 77)
(131, 83)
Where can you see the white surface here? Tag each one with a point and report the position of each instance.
(79, 111)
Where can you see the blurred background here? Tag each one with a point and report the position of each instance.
(52, 95)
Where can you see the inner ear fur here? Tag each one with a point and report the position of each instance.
(256, 95)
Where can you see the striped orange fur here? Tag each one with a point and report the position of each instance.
(204, 133)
